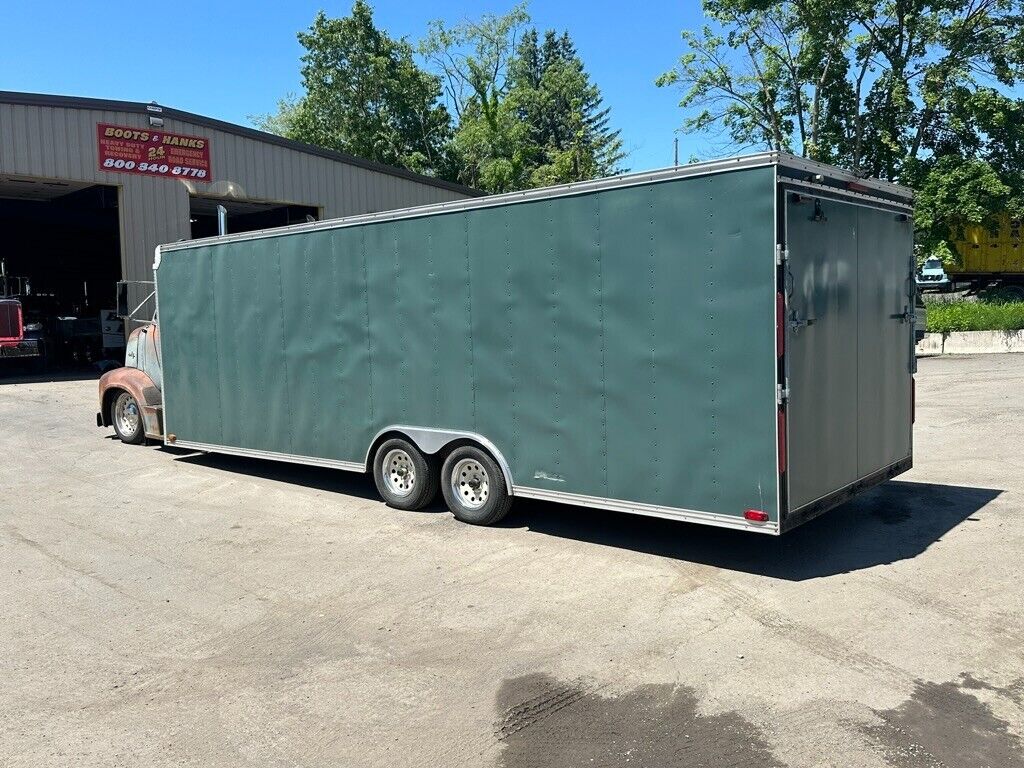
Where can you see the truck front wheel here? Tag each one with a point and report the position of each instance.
(474, 486)
(126, 416)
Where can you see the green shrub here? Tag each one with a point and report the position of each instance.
(947, 317)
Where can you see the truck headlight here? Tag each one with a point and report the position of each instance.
(34, 327)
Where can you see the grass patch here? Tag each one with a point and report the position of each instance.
(950, 316)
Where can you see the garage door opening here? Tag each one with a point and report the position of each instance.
(245, 216)
(62, 259)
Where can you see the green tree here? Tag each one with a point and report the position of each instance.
(568, 126)
(279, 122)
(365, 95)
(474, 58)
(528, 113)
(916, 91)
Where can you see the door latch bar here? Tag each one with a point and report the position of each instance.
(796, 322)
(905, 317)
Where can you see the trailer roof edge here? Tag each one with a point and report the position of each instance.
(781, 160)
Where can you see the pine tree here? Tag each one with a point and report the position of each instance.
(568, 126)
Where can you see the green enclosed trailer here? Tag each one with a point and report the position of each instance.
(727, 343)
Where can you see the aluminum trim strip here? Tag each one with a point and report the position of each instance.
(789, 161)
(846, 196)
(780, 242)
(786, 355)
(762, 160)
(843, 488)
(254, 453)
(648, 510)
(159, 336)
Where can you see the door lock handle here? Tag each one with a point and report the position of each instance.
(796, 322)
(904, 317)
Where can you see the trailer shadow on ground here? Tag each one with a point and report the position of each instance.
(318, 478)
(894, 521)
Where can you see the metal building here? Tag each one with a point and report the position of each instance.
(89, 187)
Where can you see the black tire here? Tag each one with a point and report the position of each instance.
(399, 487)
(478, 474)
(126, 416)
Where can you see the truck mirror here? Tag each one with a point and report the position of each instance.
(122, 300)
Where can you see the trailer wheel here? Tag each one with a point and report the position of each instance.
(474, 486)
(126, 416)
(405, 478)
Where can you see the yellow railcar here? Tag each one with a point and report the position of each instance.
(991, 254)
(991, 257)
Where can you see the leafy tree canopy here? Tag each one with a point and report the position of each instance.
(366, 95)
(922, 92)
(526, 113)
(529, 114)
(568, 127)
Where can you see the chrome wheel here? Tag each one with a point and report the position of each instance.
(399, 472)
(470, 484)
(126, 414)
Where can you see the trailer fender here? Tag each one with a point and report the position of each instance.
(431, 440)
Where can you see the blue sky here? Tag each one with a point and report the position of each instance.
(230, 60)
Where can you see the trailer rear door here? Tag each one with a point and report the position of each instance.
(848, 343)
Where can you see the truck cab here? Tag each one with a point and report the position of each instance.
(16, 338)
(131, 398)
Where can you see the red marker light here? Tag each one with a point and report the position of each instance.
(756, 516)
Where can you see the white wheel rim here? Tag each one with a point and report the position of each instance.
(470, 483)
(126, 413)
(399, 472)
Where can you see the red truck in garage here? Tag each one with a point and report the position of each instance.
(13, 342)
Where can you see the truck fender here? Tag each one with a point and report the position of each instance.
(142, 388)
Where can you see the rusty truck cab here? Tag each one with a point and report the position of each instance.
(131, 398)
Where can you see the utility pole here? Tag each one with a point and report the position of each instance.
(676, 142)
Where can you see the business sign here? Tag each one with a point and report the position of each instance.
(153, 153)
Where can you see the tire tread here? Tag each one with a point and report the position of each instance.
(426, 469)
(490, 513)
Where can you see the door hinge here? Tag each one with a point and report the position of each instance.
(781, 254)
(781, 394)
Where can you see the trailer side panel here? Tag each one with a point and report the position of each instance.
(617, 344)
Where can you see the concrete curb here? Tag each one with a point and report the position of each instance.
(971, 343)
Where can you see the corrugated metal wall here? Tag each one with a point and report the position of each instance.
(56, 142)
